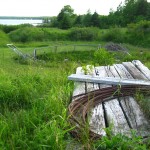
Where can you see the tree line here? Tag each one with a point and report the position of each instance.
(132, 11)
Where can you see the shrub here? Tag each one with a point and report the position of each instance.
(29, 34)
(85, 34)
(139, 33)
(103, 57)
(4, 39)
(113, 35)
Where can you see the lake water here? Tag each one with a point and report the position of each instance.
(20, 21)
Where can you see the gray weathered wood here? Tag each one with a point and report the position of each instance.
(142, 68)
(116, 117)
(101, 73)
(92, 73)
(134, 71)
(122, 71)
(79, 86)
(96, 121)
(135, 116)
(108, 80)
(114, 114)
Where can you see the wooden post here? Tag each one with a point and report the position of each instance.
(55, 49)
(34, 54)
(74, 48)
(99, 46)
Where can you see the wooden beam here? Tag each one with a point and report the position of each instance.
(142, 68)
(135, 116)
(108, 80)
(79, 86)
(134, 71)
(116, 117)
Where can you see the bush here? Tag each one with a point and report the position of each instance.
(139, 33)
(114, 35)
(103, 57)
(28, 34)
(4, 39)
(84, 34)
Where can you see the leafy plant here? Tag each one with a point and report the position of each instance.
(88, 69)
(103, 57)
(120, 142)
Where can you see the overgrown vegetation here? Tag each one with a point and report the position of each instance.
(34, 97)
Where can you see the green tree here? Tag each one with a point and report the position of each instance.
(65, 17)
(78, 21)
(95, 21)
(87, 19)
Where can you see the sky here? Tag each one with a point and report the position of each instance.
(53, 7)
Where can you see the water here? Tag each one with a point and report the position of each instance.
(20, 21)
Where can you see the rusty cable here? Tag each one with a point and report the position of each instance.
(83, 103)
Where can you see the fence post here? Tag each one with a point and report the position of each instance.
(34, 54)
(99, 46)
(74, 47)
(55, 49)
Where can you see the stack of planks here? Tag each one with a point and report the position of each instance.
(124, 113)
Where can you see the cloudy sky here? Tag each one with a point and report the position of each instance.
(53, 7)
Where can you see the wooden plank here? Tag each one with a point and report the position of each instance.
(130, 107)
(108, 71)
(134, 71)
(122, 71)
(101, 73)
(114, 72)
(114, 113)
(116, 117)
(79, 86)
(135, 116)
(108, 80)
(142, 68)
(96, 121)
(92, 73)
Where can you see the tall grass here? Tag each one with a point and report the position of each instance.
(34, 97)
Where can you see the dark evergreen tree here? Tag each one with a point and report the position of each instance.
(87, 19)
(95, 21)
(78, 21)
(65, 17)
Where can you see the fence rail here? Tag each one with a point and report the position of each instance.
(59, 48)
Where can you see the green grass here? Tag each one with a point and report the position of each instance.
(34, 96)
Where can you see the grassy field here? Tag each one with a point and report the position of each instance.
(34, 96)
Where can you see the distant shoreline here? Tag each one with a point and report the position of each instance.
(23, 17)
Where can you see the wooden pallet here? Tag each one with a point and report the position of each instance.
(123, 113)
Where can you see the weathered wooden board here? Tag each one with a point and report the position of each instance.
(107, 80)
(108, 71)
(79, 87)
(122, 71)
(91, 86)
(97, 121)
(142, 68)
(114, 113)
(114, 72)
(134, 71)
(101, 72)
(135, 116)
(116, 117)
